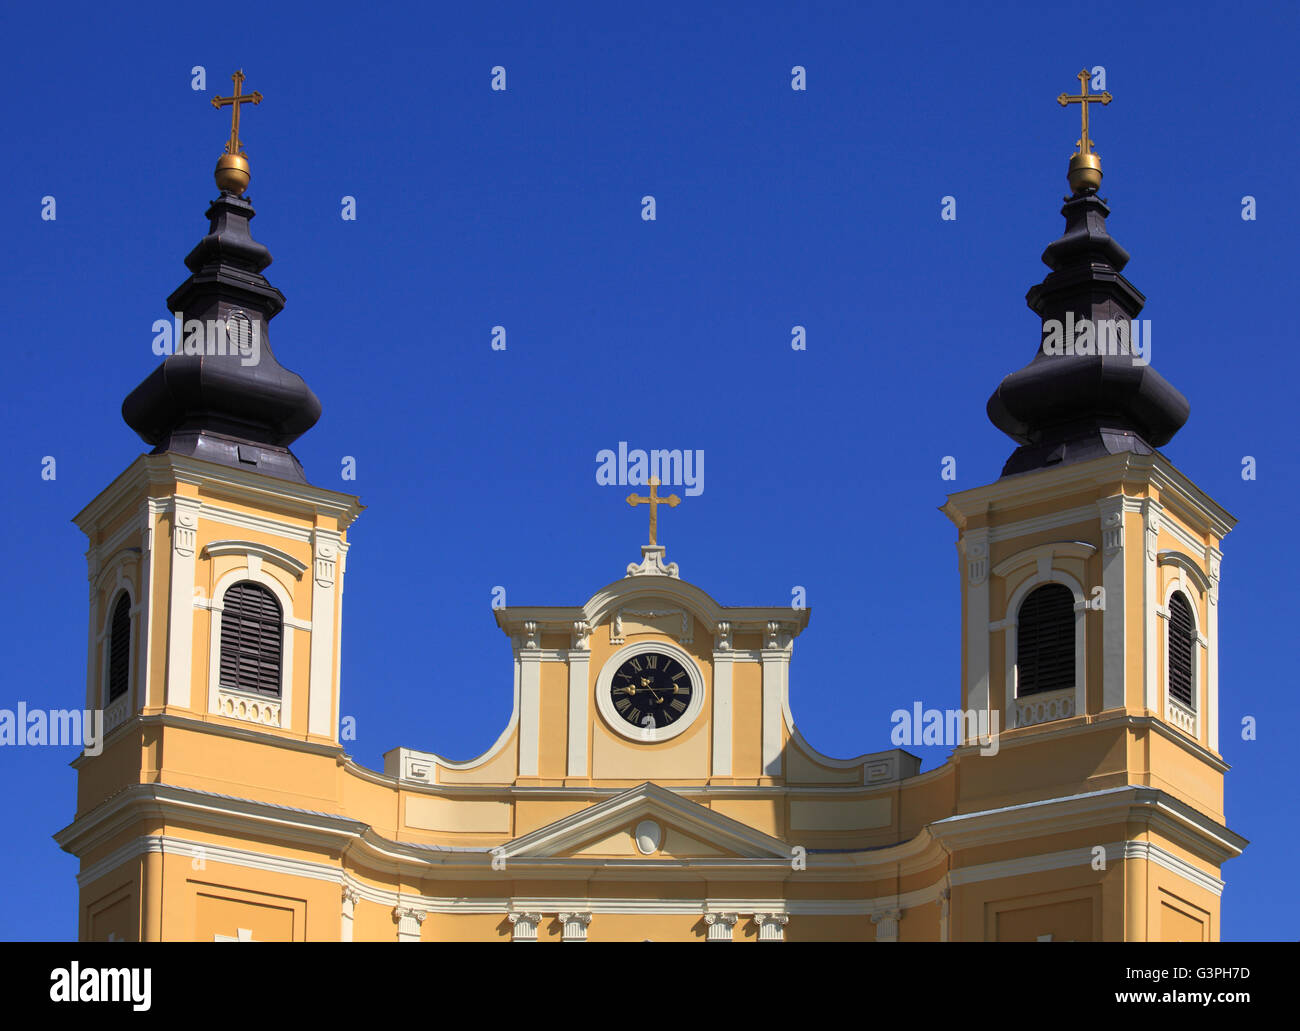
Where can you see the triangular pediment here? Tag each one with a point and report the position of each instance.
(677, 827)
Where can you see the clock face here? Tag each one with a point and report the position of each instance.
(651, 690)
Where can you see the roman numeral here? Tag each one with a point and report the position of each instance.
(668, 716)
(652, 661)
(636, 665)
(621, 704)
(668, 665)
(678, 704)
(634, 715)
(679, 675)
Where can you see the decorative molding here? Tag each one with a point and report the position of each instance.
(1044, 707)
(1180, 716)
(237, 705)
(250, 549)
(887, 923)
(185, 524)
(408, 920)
(685, 635)
(722, 637)
(977, 560)
(1153, 521)
(581, 635)
(347, 912)
(779, 636)
(575, 926)
(525, 926)
(648, 836)
(1045, 556)
(652, 563)
(1185, 564)
(771, 926)
(1111, 513)
(530, 635)
(116, 712)
(721, 926)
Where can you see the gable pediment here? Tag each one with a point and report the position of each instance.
(646, 823)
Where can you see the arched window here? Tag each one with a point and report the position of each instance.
(119, 648)
(1045, 640)
(1182, 644)
(251, 629)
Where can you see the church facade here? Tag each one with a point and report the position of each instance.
(651, 783)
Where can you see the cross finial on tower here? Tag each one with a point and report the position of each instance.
(1085, 166)
(654, 501)
(232, 167)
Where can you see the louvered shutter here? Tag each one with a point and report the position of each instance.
(250, 639)
(1045, 640)
(119, 648)
(1182, 641)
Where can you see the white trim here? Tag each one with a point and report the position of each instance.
(1186, 718)
(1213, 562)
(1083, 858)
(264, 551)
(180, 625)
(1152, 514)
(776, 702)
(605, 701)
(721, 720)
(529, 662)
(326, 593)
(579, 710)
(975, 550)
(1111, 514)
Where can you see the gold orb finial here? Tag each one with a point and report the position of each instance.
(1085, 165)
(232, 172)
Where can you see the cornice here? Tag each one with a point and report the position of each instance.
(1028, 488)
(166, 469)
(356, 842)
(1129, 803)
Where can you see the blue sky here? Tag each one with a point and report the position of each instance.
(522, 209)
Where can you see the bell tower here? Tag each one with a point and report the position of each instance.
(216, 578)
(1090, 588)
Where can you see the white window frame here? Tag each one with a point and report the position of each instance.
(1175, 712)
(246, 706)
(116, 712)
(1050, 705)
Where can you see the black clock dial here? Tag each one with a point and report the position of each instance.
(651, 690)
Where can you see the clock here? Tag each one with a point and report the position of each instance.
(650, 692)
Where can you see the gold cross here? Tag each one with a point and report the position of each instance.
(654, 501)
(1083, 100)
(235, 146)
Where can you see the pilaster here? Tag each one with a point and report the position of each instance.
(579, 659)
(723, 660)
(326, 562)
(180, 622)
